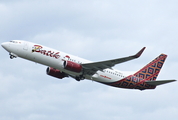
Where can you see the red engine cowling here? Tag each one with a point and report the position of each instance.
(72, 66)
(55, 73)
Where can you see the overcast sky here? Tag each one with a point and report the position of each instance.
(95, 30)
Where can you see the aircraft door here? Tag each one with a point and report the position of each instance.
(25, 46)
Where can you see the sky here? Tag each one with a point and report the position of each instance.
(96, 30)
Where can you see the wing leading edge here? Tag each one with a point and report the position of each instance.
(91, 68)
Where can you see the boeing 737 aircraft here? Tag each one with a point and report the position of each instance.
(61, 65)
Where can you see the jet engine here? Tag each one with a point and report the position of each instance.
(72, 66)
(55, 73)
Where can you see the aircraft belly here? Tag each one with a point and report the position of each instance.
(50, 61)
(41, 59)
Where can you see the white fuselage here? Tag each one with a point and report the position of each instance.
(54, 58)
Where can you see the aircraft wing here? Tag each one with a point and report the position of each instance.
(91, 68)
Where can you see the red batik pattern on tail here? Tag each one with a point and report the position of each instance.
(132, 82)
(151, 70)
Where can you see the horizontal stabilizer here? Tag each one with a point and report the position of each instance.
(159, 82)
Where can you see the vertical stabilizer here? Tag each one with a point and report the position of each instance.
(151, 70)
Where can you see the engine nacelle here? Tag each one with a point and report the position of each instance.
(72, 66)
(55, 73)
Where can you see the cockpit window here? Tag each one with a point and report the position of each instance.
(13, 41)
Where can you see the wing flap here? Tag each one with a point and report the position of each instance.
(159, 82)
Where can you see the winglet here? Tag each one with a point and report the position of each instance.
(139, 53)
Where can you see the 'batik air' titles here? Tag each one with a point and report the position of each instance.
(39, 49)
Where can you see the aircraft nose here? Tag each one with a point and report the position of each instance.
(5, 45)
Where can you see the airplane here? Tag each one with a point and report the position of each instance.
(61, 65)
